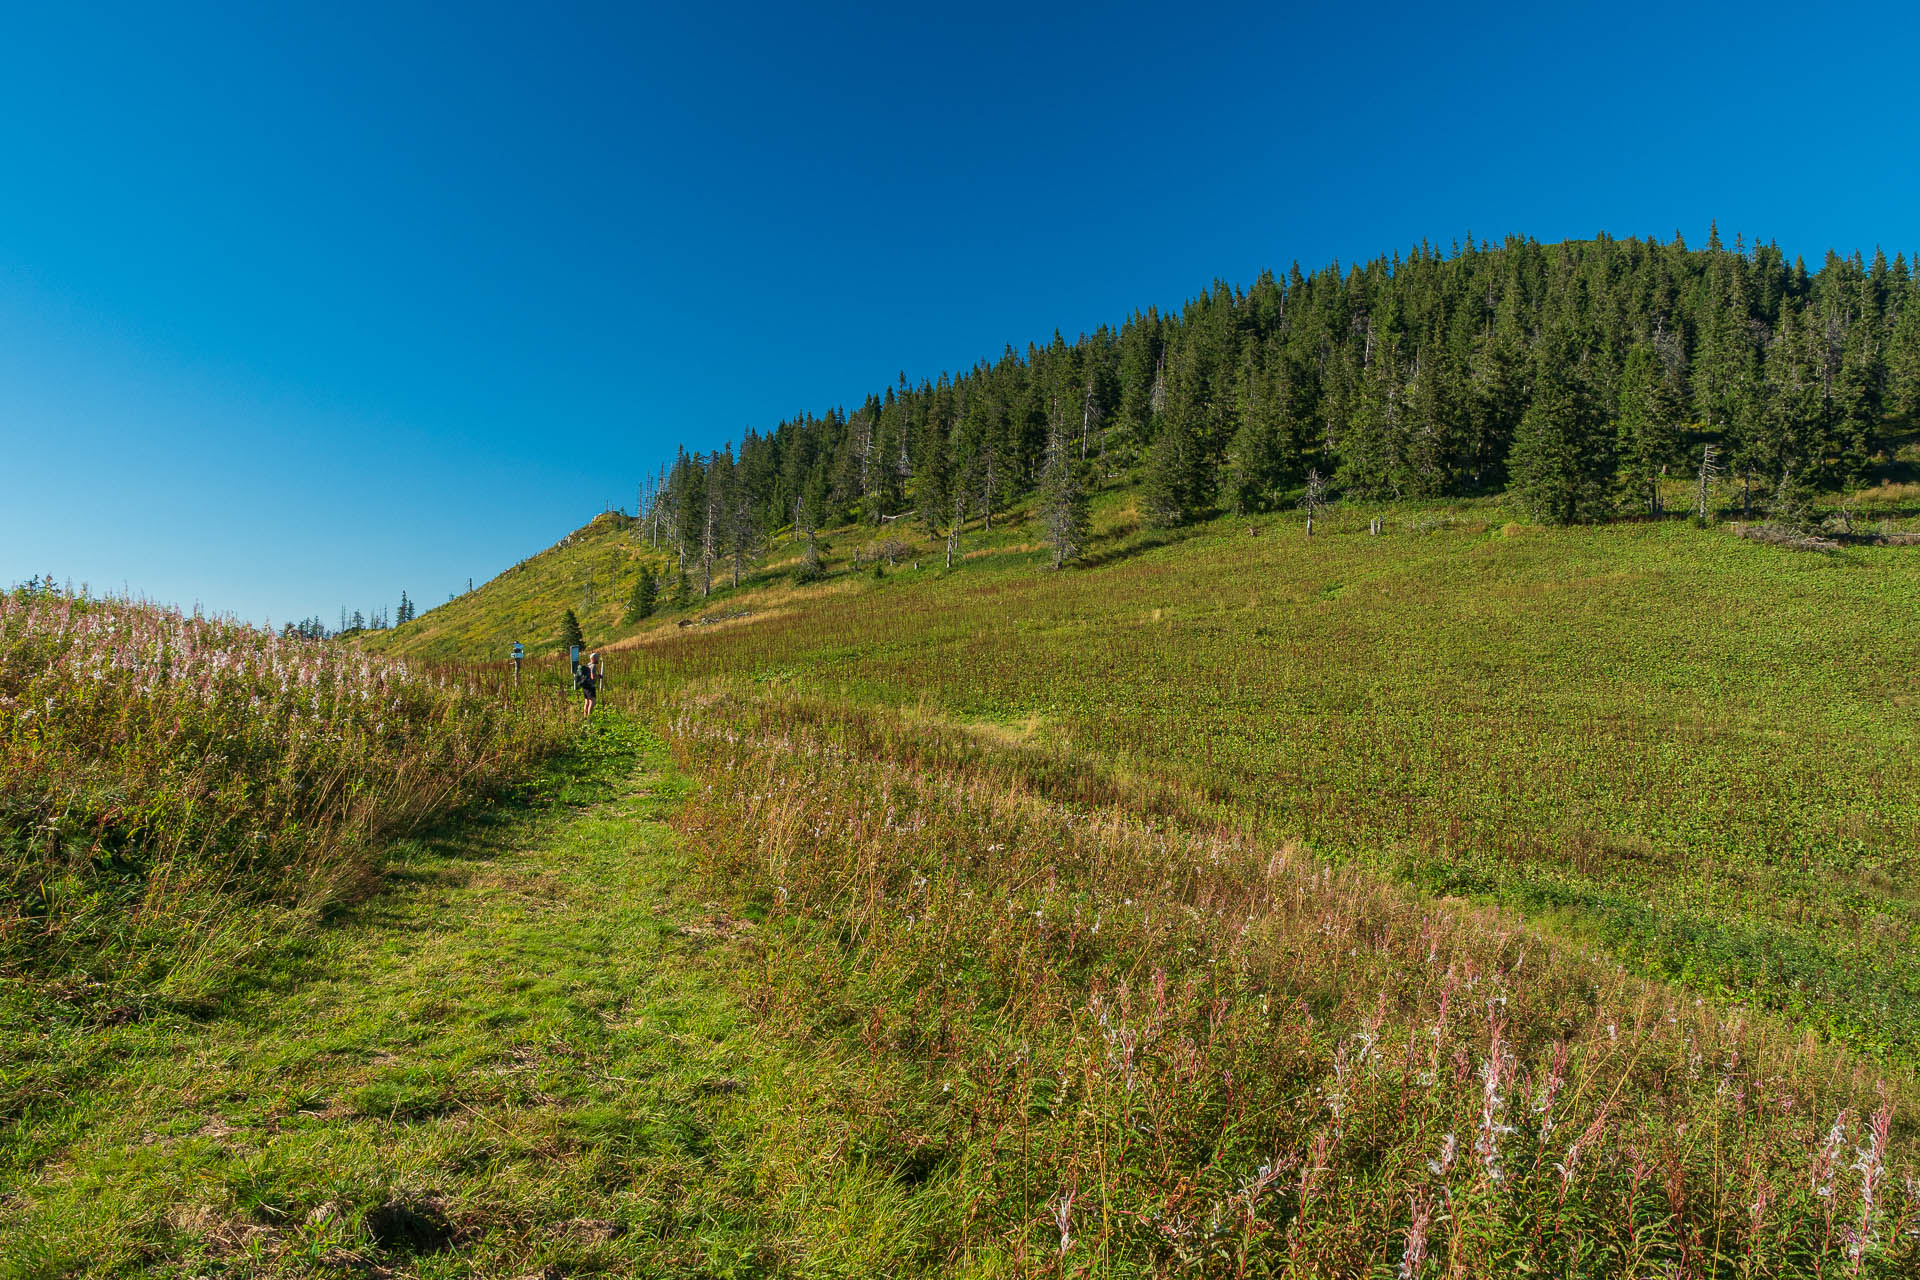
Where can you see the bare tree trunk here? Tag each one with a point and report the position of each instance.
(706, 556)
(1707, 473)
(1315, 496)
(953, 525)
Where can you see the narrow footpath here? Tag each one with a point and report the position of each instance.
(519, 1058)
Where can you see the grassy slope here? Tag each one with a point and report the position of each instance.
(514, 1057)
(535, 1051)
(1693, 750)
(525, 602)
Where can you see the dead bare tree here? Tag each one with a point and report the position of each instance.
(953, 523)
(1709, 473)
(1087, 415)
(1314, 498)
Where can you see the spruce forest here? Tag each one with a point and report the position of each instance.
(1574, 376)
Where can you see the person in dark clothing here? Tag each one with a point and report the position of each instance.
(583, 680)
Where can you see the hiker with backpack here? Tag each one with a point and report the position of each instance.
(586, 680)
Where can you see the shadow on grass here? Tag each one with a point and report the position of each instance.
(1128, 545)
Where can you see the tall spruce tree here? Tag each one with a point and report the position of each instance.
(1262, 457)
(570, 633)
(1789, 443)
(1646, 427)
(1064, 509)
(1562, 458)
(646, 593)
(1903, 354)
(1179, 479)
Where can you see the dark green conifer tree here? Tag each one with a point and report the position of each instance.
(1903, 351)
(1789, 444)
(1262, 457)
(1499, 388)
(1857, 397)
(1369, 441)
(1646, 427)
(1562, 459)
(646, 593)
(688, 486)
(1178, 478)
(570, 633)
(1431, 427)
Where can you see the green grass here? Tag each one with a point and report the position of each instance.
(1101, 1035)
(1092, 894)
(178, 793)
(526, 601)
(1693, 751)
(515, 1056)
(1696, 751)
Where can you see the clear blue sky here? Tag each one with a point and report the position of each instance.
(302, 309)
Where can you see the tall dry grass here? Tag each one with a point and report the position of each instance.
(176, 792)
(1082, 1031)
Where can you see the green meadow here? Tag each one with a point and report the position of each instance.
(1462, 898)
(1689, 750)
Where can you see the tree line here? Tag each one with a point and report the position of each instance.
(1572, 376)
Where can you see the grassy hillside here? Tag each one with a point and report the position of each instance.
(591, 571)
(174, 790)
(526, 602)
(1465, 898)
(1237, 862)
(1691, 749)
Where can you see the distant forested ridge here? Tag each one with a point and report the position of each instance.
(1570, 375)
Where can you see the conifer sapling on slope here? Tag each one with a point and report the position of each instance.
(646, 593)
